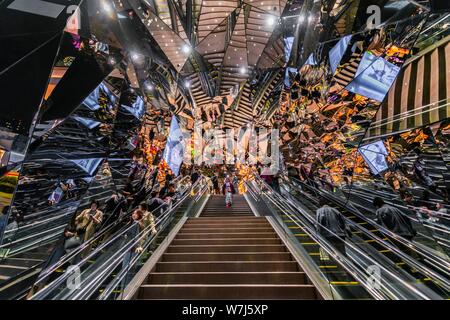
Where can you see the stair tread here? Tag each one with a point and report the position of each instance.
(228, 285)
(226, 245)
(229, 261)
(225, 253)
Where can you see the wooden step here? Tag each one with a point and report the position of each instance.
(253, 291)
(227, 278)
(229, 241)
(222, 219)
(227, 248)
(238, 235)
(226, 266)
(227, 225)
(233, 256)
(225, 230)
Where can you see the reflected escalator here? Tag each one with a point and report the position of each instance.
(376, 241)
(105, 267)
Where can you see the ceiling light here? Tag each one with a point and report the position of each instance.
(187, 84)
(271, 21)
(107, 7)
(243, 70)
(186, 49)
(135, 57)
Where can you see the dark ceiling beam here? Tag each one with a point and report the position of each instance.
(300, 32)
(190, 20)
(232, 18)
(173, 20)
(180, 13)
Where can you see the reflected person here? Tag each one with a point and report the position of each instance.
(331, 225)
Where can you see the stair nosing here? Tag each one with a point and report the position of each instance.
(226, 245)
(230, 261)
(227, 272)
(274, 238)
(225, 233)
(245, 253)
(228, 285)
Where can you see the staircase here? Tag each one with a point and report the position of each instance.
(227, 253)
(216, 207)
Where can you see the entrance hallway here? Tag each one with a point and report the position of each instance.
(227, 253)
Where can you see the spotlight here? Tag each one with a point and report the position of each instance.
(135, 57)
(107, 7)
(243, 70)
(187, 84)
(271, 21)
(186, 49)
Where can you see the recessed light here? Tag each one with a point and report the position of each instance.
(186, 49)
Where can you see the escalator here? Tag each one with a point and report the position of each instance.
(256, 249)
(106, 262)
(339, 279)
(19, 271)
(373, 240)
(29, 246)
(435, 235)
(226, 253)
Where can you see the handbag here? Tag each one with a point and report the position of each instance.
(324, 256)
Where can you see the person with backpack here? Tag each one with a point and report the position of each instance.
(393, 219)
(331, 225)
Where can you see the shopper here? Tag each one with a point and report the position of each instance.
(331, 224)
(215, 181)
(194, 176)
(87, 221)
(148, 218)
(393, 219)
(421, 172)
(156, 202)
(132, 237)
(228, 191)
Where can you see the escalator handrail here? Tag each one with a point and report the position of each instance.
(416, 247)
(342, 260)
(351, 208)
(118, 256)
(31, 236)
(119, 277)
(414, 209)
(328, 248)
(55, 284)
(35, 223)
(419, 266)
(67, 257)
